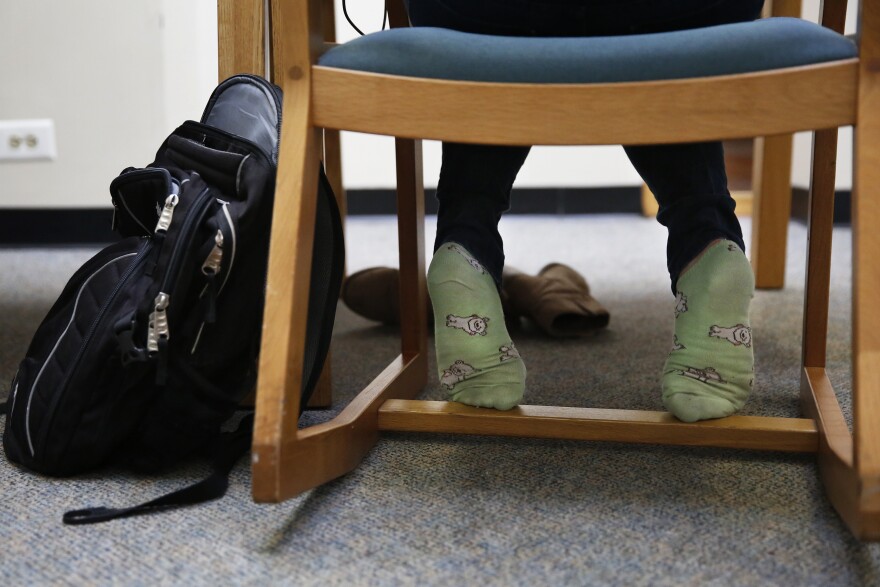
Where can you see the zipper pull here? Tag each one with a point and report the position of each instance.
(210, 269)
(167, 212)
(157, 336)
(211, 266)
(157, 329)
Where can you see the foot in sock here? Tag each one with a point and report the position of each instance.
(710, 371)
(477, 363)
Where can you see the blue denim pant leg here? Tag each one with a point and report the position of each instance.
(690, 184)
(472, 194)
(689, 180)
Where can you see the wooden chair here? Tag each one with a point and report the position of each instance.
(288, 461)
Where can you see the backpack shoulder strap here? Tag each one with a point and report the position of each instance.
(235, 445)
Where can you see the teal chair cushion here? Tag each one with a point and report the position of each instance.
(426, 52)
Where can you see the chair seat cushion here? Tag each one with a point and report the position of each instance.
(425, 52)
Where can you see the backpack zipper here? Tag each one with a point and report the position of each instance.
(210, 269)
(119, 201)
(139, 257)
(157, 328)
(181, 247)
(212, 263)
(232, 248)
(159, 331)
(167, 213)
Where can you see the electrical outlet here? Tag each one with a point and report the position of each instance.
(27, 139)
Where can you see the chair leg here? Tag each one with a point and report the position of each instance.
(287, 461)
(322, 396)
(771, 209)
(240, 30)
(411, 244)
(849, 465)
(287, 292)
(818, 400)
(820, 223)
(332, 143)
(241, 49)
(866, 278)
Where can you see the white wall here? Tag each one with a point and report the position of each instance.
(118, 76)
(115, 76)
(189, 57)
(92, 68)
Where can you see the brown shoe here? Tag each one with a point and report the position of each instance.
(374, 293)
(558, 300)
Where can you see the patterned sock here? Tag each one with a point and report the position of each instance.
(710, 371)
(477, 363)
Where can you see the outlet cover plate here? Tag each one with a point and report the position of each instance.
(22, 140)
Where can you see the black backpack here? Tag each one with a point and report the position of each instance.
(153, 343)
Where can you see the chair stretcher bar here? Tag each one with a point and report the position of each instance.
(744, 432)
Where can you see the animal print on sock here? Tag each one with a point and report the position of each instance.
(710, 372)
(476, 361)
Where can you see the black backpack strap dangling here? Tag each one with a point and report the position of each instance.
(235, 445)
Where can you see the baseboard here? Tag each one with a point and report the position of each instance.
(743, 199)
(92, 226)
(600, 200)
(744, 202)
(800, 198)
(56, 227)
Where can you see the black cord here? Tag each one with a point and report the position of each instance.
(354, 26)
(348, 18)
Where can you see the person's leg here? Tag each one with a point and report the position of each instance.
(710, 370)
(477, 362)
(690, 184)
(472, 194)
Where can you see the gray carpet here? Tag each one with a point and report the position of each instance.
(447, 510)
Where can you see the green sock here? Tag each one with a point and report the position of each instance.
(710, 370)
(477, 363)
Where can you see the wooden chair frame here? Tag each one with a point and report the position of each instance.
(288, 461)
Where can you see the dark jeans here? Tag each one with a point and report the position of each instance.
(688, 180)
